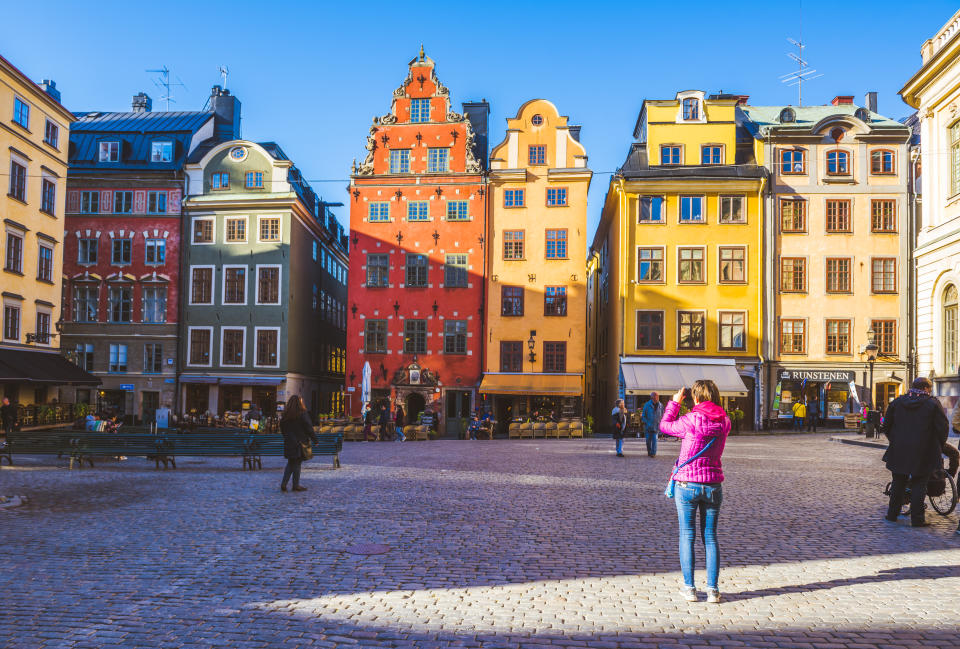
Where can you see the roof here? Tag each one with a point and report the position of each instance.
(35, 366)
(767, 117)
(637, 166)
(142, 122)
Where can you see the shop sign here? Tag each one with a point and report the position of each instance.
(833, 376)
(129, 387)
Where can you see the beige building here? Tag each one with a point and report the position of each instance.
(536, 287)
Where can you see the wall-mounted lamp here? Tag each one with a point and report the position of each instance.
(531, 345)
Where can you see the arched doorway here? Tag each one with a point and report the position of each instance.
(415, 405)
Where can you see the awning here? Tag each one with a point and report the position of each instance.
(232, 380)
(39, 366)
(558, 385)
(641, 376)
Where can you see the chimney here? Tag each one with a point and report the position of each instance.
(742, 100)
(842, 99)
(870, 101)
(142, 103)
(478, 112)
(50, 87)
(226, 110)
(575, 132)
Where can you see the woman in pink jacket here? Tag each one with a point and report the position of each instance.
(699, 478)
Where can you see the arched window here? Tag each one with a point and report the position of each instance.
(691, 108)
(882, 162)
(950, 330)
(838, 163)
(955, 157)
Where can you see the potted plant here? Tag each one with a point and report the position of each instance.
(588, 426)
(736, 416)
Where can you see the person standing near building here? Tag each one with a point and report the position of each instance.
(298, 436)
(385, 420)
(916, 426)
(652, 414)
(619, 416)
(813, 414)
(398, 422)
(799, 414)
(8, 419)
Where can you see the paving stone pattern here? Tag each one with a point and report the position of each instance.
(506, 544)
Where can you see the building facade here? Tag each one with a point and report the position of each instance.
(935, 92)
(262, 317)
(34, 139)
(417, 219)
(123, 247)
(536, 277)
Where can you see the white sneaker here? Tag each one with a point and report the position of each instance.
(689, 593)
(713, 596)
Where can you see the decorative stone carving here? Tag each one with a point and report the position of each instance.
(389, 118)
(472, 165)
(366, 167)
(455, 117)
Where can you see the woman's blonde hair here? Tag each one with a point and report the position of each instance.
(705, 390)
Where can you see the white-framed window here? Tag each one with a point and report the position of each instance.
(268, 284)
(201, 284)
(438, 160)
(51, 134)
(235, 229)
(86, 302)
(110, 151)
(253, 180)
(87, 250)
(118, 359)
(732, 209)
(418, 211)
(13, 260)
(48, 194)
(21, 112)
(400, 161)
(711, 154)
(234, 289)
(671, 154)
(267, 342)
(199, 346)
(419, 110)
(161, 152)
(220, 180)
(18, 179)
(379, 212)
(11, 321)
(155, 252)
(691, 209)
(732, 330)
(45, 263)
(120, 303)
(650, 209)
(43, 327)
(691, 109)
(458, 211)
(152, 358)
(268, 228)
(156, 202)
(203, 231)
(233, 343)
(154, 303)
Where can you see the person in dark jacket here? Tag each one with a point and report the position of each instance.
(619, 417)
(813, 414)
(8, 419)
(385, 432)
(916, 426)
(297, 433)
(398, 422)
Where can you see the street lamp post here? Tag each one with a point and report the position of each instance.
(871, 350)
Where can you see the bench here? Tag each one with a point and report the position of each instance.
(86, 445)
(36, 443)
(272, 446)
(207, 445)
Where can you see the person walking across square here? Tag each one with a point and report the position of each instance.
(799, 413)
(8, 419)
(619, 416)
(652, 414)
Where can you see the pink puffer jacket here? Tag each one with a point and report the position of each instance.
(695, 429)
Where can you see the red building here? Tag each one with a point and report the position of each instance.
(417, 219)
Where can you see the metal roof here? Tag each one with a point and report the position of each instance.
(637, 166)
(142, 122)
(807, 116)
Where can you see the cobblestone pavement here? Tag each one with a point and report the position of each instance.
(545, 543)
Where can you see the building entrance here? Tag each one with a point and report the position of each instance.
(458, 412)
(414, 406)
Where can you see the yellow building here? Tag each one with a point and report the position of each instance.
(34, 137)
(679, 256)
(536, 288)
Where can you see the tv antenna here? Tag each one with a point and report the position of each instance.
(224, 72)
(165, 83)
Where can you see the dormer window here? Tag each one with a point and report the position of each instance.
(691, 109)
(109, 152)
(161, 152)
(838, 163)
(711, 154)
(862, 114)
(788, 116)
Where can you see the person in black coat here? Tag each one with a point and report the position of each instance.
(297, 433)
(619, 421)
(916, 426)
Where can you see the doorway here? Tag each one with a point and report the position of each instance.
(458, 412)
(266, 400)
(231, 399)
(415, 405)
(198, 398)
(886, 392)
(148, 406)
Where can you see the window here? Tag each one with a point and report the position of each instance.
(950, 330)
(11, 322)
(438, 160)
(513, 197)
(45, 264)
(691, 109)
(649, 329)
(556, 196)
(511, 300)
(511, 356)
(711, 155)
(201, 286)
(537, 154)
(669, 154)
(414, 336)
(457, 211)
(419, 110)
(161, 152)
(378, 271)
(455, 271)
(203, 230)
(416, 275)
(417, 211)
(556, 244)
(733, 330)
(152, 358)
(375, 336)
(400, 161)
(268, 285)
(690, 269)
(882, 162)
(554, 357)
(793, 275)
(883, 275)
(839, 277)
(690, 330)
(270, 228)
(513, 244)
(378, 212)
(85, 303)
(691, 209)
(90, 202)
(885, 332)
(122, 202)
(109, 152)
(793, 161)
(122, 251)
(838, 336)
(51, 134)
(232, 346)
(121, 303)
(18, 181)
(200, 346)
(314, 250)
(731, 209)
(14, 258)
(454, 336)
(220, 180)
(838, 216)
(234, 285)
(156, 252)
(793, 336)
(267, 341)
(555, 300)
(48, 196)
(651, 209)
(43, 328)
(649, 264)
(118, 358)
(838, 163)
(84, 356)
(253, 180)
(87, 251)
(883, 216)
(793, 215)
(955, 158)
(236, 230)
(155, 304)
(733, 265)
(21, 112)
(157, 202)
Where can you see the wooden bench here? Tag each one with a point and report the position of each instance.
(36, 443)
(208, 445)
(84, 446)
(272, 446)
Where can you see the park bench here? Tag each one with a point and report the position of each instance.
(272, 446)
(36, 443)
(84, 446)
(205, 444)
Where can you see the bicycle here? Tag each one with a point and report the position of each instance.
(943, 504)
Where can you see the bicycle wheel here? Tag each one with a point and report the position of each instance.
(905, 507)
(947, 501)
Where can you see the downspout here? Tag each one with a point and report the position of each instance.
(621, 279)
(912, 278)
(483, 295)
(181, 301)
(761, 299)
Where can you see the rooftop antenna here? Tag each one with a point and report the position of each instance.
(224, 72)
(803, 72)
(165, 83)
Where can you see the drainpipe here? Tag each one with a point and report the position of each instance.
(181, 301)
(621, 275)
(761, 298)
(483, 295)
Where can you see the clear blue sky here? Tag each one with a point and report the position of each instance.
(312, 74)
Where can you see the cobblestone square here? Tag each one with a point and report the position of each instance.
(519, 544)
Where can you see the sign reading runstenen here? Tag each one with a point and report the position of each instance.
(835, 376)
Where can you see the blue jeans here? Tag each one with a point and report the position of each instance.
(797, 423)
(292, 469)
(689, 498)
(620, 446)
(651, 444)
(400, 433)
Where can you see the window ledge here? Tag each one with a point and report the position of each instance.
(13, 272)
(840, 180)
(21, 126)
(45, 281)
(17, 198)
